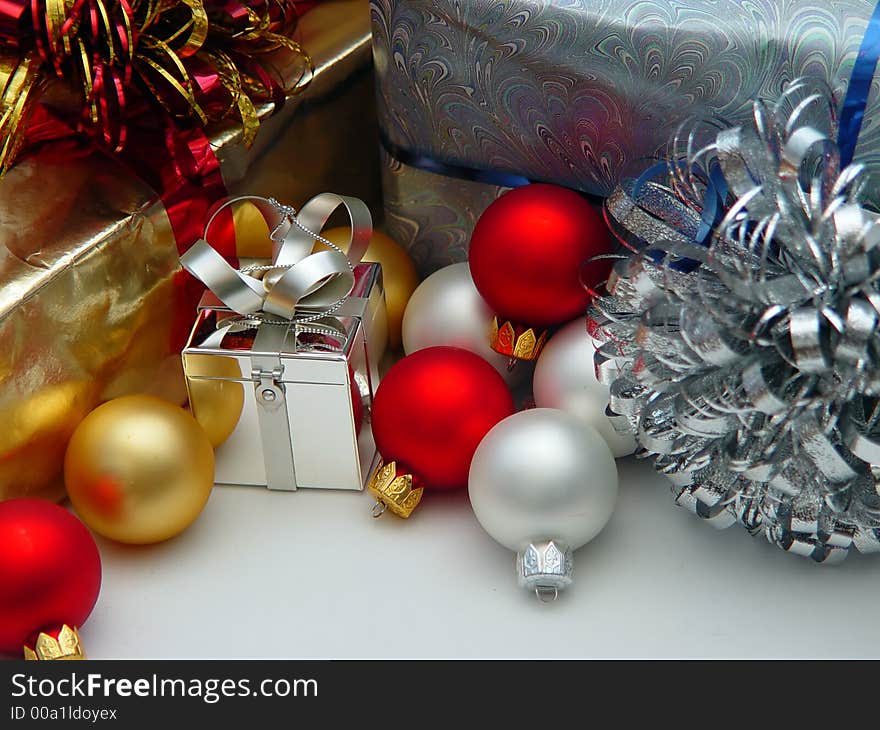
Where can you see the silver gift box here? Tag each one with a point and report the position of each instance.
(576, 92)
(295, 399)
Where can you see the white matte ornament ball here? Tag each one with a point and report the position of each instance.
(542, 474)
(565, 379)
(447, 309)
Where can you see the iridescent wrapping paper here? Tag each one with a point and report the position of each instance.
(578, 91)
(88, 259)
(432, 214)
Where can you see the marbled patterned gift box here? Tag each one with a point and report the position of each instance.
(579, 91)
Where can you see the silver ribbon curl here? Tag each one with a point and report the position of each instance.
(299, 286)
(748, 364)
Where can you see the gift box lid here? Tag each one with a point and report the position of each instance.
(305, 348)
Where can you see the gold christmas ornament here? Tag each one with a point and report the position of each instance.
(66, 646)
(251, 232)
(216, 404)
(393, 491)
(398, 273)
(139, 470)
(34, 437)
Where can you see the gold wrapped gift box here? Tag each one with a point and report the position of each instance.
(88, 260)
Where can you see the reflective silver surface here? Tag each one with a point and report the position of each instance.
(749, 368)
(322, 375)
(544, 566)
(577, 92)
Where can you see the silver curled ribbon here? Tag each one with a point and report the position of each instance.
(740, 336)
(300, 286)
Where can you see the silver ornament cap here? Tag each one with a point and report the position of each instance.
(545, 567)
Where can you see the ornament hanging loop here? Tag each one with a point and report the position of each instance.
(393, 491)
(546, 594)
(545, 566)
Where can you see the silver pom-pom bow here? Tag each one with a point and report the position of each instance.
(741, 336)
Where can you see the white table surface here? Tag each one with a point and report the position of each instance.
(311, 575)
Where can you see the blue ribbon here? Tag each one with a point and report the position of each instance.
(856, 100)
(715, 197)
(462, 172)
(713, 210)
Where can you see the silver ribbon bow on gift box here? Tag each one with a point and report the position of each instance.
(299, 286)
(305, 292)
(741, 337)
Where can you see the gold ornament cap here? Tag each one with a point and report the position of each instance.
(66, 646)
(393, 492)
(517, 341)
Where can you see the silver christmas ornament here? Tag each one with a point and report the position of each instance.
(542, 483)
(561, 381)
(741, 337)
(447, 309)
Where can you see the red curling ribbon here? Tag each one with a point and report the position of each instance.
(285, 14)
(179, 164)
(12, 22)
(234, 14)
(257, 71)
(213, 97)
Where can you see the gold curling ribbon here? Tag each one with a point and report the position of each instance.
(240, 101)
(197, 27)
(150, 38)
(182, 87)
(19, 79)
(56, 14)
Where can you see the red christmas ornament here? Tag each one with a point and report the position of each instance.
(430, 413)
(527, 256)
(50, 576)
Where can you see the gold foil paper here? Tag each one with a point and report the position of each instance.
(88, 258)
(87, 261)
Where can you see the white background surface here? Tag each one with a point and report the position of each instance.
(311, 575)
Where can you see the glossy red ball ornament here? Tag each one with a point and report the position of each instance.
(431, 411)
(50, 571)
(528, 251)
